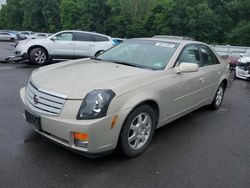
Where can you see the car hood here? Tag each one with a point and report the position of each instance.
(244, 59)
(76, 78)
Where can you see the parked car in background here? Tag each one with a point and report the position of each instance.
(64, 45)
(222, 54)
(233, 58)
(7, 36)
(242, 69)
(120, 97)
(40, 36)
(118, 41)
(26, 34)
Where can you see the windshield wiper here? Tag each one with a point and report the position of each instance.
(128, 64)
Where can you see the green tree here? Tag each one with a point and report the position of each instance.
(240, 34)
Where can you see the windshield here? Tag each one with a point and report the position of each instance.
(147, 54)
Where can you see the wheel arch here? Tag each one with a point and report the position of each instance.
(225, 82)
(98, 52)
(37, 46)
(150, 102)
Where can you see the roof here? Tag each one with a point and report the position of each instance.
(85, 32)
(179, 41)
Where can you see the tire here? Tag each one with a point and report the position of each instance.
(218, 98)
(12, 40)
(135, 137)
(38, 56)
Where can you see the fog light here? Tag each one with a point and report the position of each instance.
(81, 139)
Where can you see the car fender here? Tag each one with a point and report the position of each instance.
(129, 101)
(37, 46)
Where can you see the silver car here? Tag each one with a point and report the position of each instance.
(122, 96)
(6, 36)
(70, 44)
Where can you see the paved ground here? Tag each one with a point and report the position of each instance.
(203, 149)
(6, 49)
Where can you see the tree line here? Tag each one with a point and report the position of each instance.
(212, 21)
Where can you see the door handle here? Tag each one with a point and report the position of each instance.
(71, 43)
(202, 80)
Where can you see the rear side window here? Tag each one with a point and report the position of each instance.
(99, 38)
(208, 56)
(190, 54)
(84, 37)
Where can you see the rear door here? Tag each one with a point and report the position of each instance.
(212, 69)
(188, 88)
(62, 45)
(102, 43)
(84, 44)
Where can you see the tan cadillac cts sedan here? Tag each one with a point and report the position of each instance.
(119, 98)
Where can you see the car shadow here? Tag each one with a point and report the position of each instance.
(163, 135)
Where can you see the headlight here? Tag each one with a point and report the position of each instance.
(95, 104)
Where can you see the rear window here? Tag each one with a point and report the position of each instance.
(99, 38)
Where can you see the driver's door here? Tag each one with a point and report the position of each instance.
(62, 45)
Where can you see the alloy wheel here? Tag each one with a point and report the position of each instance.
(40, 57)
(219, 96)
(139, 131)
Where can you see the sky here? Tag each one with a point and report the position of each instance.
(2, 1)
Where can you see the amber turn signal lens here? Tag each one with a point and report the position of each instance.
(81, 136)
(114, 121)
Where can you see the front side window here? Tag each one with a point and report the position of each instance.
(208, 56)
(64, 37)
(190, 54)
(154, 55)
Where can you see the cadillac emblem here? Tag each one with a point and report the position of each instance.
(36, 99)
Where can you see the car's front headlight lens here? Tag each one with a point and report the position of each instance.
(95, 104)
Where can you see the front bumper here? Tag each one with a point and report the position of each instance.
(17, 57)
(242, 74)
(60, 129)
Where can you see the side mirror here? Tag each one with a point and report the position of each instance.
(188, 67)
(53, 38)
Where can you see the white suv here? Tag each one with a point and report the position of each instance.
(64, 45)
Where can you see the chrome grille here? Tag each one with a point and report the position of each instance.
(44, 101)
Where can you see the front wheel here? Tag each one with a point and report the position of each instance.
(138, 131)
(38, 56)
(218, 98)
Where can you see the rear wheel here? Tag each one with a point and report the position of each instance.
(138, 131)
(38, 56)
(99, 53)
(218, 98)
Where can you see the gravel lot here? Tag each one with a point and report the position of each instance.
(203, 149)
